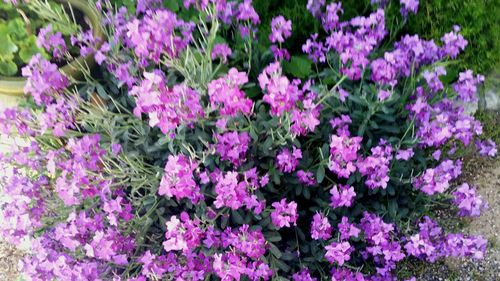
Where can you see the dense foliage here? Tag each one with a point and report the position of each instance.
(195, 153)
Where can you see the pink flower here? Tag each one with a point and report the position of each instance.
(182, 235)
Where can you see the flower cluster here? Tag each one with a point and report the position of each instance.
(284, 214)
(240, 170)
(51, 42)
(233, 146)
(225, 94)
(343, 149)
(287, 161)
(235, 193)
(166, 108)
(430, 243)
(149, 43)
(468, 202)
(178, 182)
(43, 80)
(437, 180)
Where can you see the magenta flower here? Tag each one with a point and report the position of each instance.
(232, 146)
(225, 94)
(404, 154)
(306, 178)
(347, 230)
(182, 235)
(320, 227)
(284, 214)
(287, 161)
(342, 196)
(343, 154)
(178, 180)
(280, 94)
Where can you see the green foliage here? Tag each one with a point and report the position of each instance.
(479, 21)
(18, 43)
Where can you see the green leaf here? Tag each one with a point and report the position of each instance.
(393, 208)
(272, 236)
(7, 47)
(171, 5)
(8, 68)
(320, 174)
(275, 251)
(299, 66)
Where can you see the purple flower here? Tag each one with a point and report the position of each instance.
(178, 179)
(225, 94)
(320, 227)
(409, 6)
(466, 86)
(315, 50)
(486, 148)
(284, 214)
(280, 94)
(280, 29)
(432, 79)
(338, 252)
(51, 41)
(330, 19)
(343, 154)
(303, 275)
(182, 235)
(468, 202)
(376, 166)
(44, 81)
(306, 178)
(347, 230)
(221, 51)
(342, 196)
(287, 161)
(246, 12)
(314, 6)
(404, 154)
(437, 180)
(453, 43)
(167, 108)
(232, 146)
(150, 42)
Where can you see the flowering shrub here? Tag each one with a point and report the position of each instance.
(203, 159)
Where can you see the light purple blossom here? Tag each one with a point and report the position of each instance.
(280, 29)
